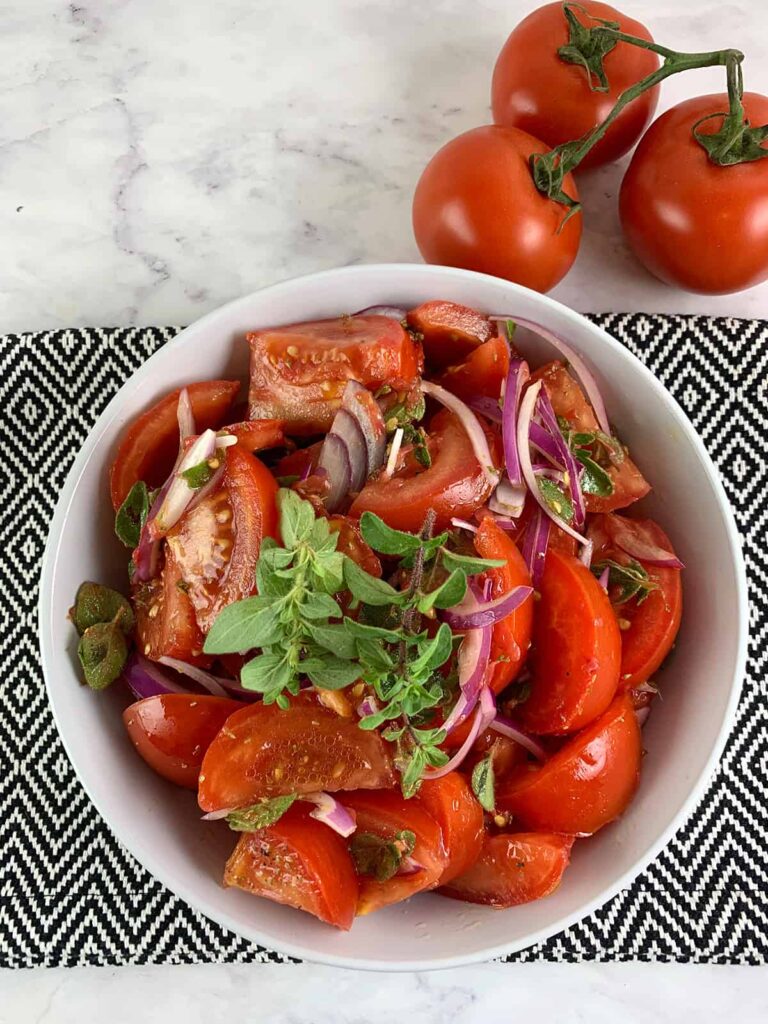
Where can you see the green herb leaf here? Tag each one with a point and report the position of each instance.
(297, 517)
(252, 622)
(434, 653)
(594, 479)
(411, 776)
(367, 588)
(319, 606)
(132, 515)
(384, 539)
(374, 658)
(380, 858)
(470, 564)
(103, 651)
(265, 812)
(632, 580)
(198, 476)
(95, 603)
(555, 498)
(330, 672)
(336, 639)
(484, 783)
(448, 594)
(267, 673)
(362, 631)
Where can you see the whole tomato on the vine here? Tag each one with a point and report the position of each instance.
(538, 87)
(476, 206)
(693, 222)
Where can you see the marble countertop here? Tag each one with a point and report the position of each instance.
(160, 158)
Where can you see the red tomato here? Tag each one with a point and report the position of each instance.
(351, 543)
(452, 804)
(534, 89)
(481, 374)
(165, 619)
(506, 754)
(454, 485)
(385, 814)
(256, 435)
(691, 222)
(172, 731)
(265, 751)
(300, 862)
(569, 402)
(449, 331)
(514, 869)
(649, 627)
(299, 372)
(511, 636)
(586, 784)
(149, 446)
(216, 544)
(476, 207)
(299, 463)
(576, 650)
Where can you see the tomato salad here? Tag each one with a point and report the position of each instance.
(390, 621)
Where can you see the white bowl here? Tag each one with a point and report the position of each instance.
(160, 824)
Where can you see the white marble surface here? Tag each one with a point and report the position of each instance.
(159, 157)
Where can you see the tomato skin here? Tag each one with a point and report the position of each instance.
(265, 752)
(586, 784)
(692, 223)
(533, 89)
(476, 207)
(299, 372)
(514, 868)
(449, 331)
(172, 731)
(166, 625)
(218, 559)
(576, 650)
(512, 636)
(300, 862)
(569, 402)
(149, 446)
(256, 435)
(654, 622)
(454, 485)
(385, 814)
(481, 374)
(451, 802)
(351, 543)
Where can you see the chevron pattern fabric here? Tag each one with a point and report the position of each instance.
(70, 894)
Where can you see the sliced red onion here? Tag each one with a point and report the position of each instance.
(185, 416)
(367, 706)
(523, 430)
(503, 522)
(487, 407)
(394, 451)
(506, 727)
(584, 374)
(180, 494)
(544, 443)
(393, 312)
(508, 499)
(470, 423)
(473, 658)
(516, 379)
(564, 456)
(628, 536)
(486, 613)
(348, 429)
(335, 460)
(484, 715)
(331, 813)
(145, 679)
(604, 577)
(535, 542)
(642, 715)
(585, 555)
(217, 815)
(225, 440)
(213, 684)
(409, 866)
(364, 407)
(462, 524)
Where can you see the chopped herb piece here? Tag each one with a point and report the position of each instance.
(265, 812)
(95, 604)
(199, 475)
(380, 858)
(132, 515)
(630, 581)
(103, 650)
(484, 783)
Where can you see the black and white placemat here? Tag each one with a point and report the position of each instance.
(70, 894)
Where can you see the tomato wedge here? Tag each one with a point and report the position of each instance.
(166, 625)
(216, 544)
(513, 869)
(265, 751)
(351, 543)
(648, 627)
(576, 650)
(481, 374)
(569, 402)
(149, 446)
(172, 731)
(256, 435)
(454, 485)
(299, 862)
(586, 784)
(449, 330)
(452, 804)
(384, 814)
(299, 372)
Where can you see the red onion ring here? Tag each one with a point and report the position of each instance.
(486, 613)
(506, 727)
(330, 812)
(516, 379)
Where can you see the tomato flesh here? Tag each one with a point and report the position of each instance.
(481, 374)
(454, 485)
(299, 372)
(166, 625)
(299, 862)
(257, 435)
(265, 752)
(513, 869)
(216, 544)
(149, 447)
(172, 731)
(576, 650)
(586, 784)
(449, 331)
(385, 814)
(451, 802)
